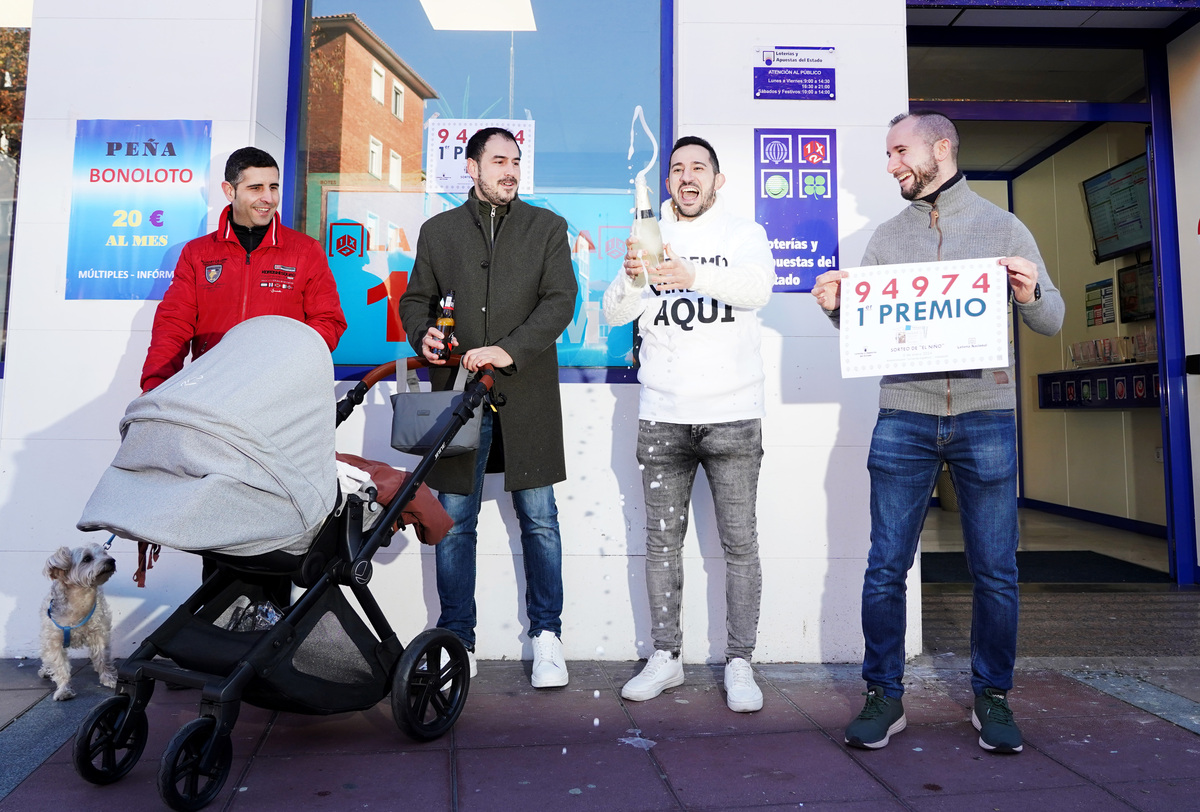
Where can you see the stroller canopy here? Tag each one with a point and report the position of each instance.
(234, 453)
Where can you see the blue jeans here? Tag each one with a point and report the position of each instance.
(541, 547)
(731, 454)
(907, 451)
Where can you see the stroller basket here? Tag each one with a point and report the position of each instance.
(330, 665)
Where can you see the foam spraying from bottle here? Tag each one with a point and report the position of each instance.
(638, 114)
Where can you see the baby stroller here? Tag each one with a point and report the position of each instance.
(233, 458)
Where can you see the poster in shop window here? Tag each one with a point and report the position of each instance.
(139, 192)
(924, 317)
(446, 152)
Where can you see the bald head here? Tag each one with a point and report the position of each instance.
(922, 149)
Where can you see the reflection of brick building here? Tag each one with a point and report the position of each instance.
(365, 110)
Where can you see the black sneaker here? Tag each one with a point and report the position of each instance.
(880, 719)
(998, 733)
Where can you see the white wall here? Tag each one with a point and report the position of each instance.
(74, 365)
(1183, 57)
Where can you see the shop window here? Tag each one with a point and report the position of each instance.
(552, 74)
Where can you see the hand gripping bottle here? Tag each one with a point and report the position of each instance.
(645, 229)
(445, 324)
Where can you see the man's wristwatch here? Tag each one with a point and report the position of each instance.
(1037, 291)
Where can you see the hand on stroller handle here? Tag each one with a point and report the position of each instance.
(387, 370)
(485, 376)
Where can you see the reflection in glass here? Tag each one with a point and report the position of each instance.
(379, 72)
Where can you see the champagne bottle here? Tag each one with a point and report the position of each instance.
(445, 324)
(645, 229)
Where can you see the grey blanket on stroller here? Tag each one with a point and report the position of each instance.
(234, 453)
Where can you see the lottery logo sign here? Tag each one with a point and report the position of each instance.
(796, 202)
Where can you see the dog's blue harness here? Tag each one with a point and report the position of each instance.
(66, 630)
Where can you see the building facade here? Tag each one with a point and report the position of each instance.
(72, 365)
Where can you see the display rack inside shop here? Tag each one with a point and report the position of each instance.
(1141, 347)
(1129, 385)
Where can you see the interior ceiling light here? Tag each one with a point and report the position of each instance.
(480, 15)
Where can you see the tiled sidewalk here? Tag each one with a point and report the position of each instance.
(584, 748)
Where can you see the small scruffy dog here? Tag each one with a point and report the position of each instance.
(76, 615)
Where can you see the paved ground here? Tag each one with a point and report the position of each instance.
(1101, 734)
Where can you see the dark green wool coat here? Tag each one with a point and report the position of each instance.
(518, 295)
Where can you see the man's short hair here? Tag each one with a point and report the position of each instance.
(689, 140)
(479, 140)
(242, 159)
(932, 126)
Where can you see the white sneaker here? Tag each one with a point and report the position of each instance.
(549, 667)
(470, 659)
(663, 670)
(741, 691)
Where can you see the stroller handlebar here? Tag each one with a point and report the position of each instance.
(346, 406)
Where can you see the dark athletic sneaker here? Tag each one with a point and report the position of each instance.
(998, 733)
(880, 719)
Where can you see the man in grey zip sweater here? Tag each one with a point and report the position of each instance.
(964, 418)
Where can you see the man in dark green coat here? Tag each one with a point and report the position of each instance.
(509, 266)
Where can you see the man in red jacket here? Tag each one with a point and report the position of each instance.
(250, 266)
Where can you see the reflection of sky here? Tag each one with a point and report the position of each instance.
(580, 75)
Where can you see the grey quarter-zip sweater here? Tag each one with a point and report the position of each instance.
(959, 224)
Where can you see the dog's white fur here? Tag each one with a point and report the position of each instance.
(76, 578)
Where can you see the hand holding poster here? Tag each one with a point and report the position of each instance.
(924, 317)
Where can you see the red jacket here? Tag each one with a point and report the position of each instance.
(217, 285)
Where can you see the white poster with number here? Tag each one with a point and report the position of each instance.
(446, 152)
(924, 317)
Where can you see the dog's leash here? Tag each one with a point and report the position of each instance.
(66, 630)
(147, 555)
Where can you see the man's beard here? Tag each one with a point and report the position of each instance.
(496, 194)
(922, 176)
(703, 202)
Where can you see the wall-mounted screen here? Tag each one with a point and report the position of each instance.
(1118, 205)
(1135, 286)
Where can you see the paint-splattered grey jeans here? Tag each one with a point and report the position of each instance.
(731, 454)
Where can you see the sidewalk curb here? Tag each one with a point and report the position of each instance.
(38, 733)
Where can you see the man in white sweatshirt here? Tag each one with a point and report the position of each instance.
(701, 404)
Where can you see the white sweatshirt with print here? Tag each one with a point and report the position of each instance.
(700, 354)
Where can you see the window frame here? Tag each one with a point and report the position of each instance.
(398, 93)
(375, 157)
(395, 174)
(295, 152)
(378, 82)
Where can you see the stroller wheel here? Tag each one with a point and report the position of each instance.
(429, 689)
(103, 753)
(194, 765)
